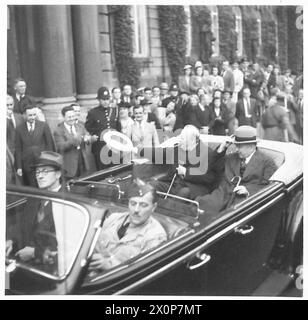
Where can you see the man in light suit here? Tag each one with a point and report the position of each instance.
(247, 110)
(142, 133)
(32, 137)
(70, 138)
(249, 163)
(13, 120)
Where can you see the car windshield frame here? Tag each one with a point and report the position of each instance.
(86, 214)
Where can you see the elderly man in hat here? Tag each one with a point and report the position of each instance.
(248, 166)
(127, 234)
(26, 240)
(98, 120)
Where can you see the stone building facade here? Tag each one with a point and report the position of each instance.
(66, 52)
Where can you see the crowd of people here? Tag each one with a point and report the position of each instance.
(215, 99)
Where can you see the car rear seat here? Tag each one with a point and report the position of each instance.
(173, 227)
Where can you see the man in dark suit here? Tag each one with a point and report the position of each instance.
(21, 100)
(33, 237)
(219, 117)
(193, 173)
(252, 166)
(13, 120)
(98, 120)
(247, 110)
(254, 79)
(32, 137)
(70, 138)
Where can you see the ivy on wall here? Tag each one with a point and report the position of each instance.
(250, 30)
(227, 34)
(269, 40)
(127, 67)
(282, 17)
(295, 48)
(172, 26)
(201, 25)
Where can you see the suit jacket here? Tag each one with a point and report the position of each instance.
(254, 81)
(240, 113)
(29, 146)
(258, 171)
(202, 170)
(28, 231)
(197, 82)
(11, 130)
(144, 137)
(218, 125)
(228, 78)
(67, 145)
(19, 105)
(183, 85)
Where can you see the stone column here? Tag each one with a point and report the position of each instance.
(57, 60)
(87, 54)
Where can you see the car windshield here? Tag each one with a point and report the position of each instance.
(43, 234)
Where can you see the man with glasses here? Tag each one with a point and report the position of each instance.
(32, 236)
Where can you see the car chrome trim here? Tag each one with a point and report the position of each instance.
(205, 258)
(201, 247)
(181, 198)
(87, 223)
(16, 203)
(294, 185)
(243, 230)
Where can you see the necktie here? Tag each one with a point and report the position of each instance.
(72, 132)
(31, 128)
(122, 230)
(41, 211)
(242, 166)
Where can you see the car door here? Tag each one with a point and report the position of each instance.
(62, 243)
(231, 259)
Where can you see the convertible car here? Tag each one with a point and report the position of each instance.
(251, 248)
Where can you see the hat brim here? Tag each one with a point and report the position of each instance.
(47, 163)
(245, 141)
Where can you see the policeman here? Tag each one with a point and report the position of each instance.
(98, 120)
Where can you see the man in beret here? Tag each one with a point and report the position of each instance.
(248, 164)
(31, 238)
(125, 235)
(31, 137)
(98, 120)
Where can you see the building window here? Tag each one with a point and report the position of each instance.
(188, 30)
(140, 39)
(239, 30)
(215, 29)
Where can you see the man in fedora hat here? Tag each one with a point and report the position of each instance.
(98, 120)
(29, 239)
(253, 167)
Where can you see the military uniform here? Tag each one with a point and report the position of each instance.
(98, 120)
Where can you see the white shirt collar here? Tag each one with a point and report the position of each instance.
(29, 125)
(248, 158)
(68, 128)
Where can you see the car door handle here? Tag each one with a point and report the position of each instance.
(243, 230)
(201, 256)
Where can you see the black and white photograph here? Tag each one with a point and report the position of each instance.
(154, 150)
